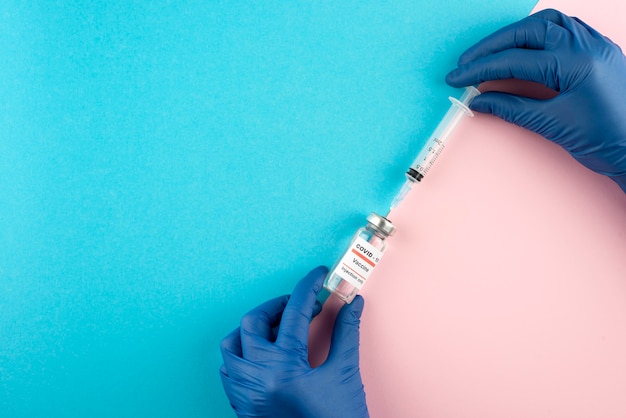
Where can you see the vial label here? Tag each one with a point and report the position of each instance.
(358, 262)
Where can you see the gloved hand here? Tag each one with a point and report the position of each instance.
(587, 117)
(266, 372)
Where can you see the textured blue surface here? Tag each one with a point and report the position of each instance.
(165, 167)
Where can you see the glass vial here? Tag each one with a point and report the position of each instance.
(353, 269)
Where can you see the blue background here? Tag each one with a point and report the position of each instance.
(165, 166)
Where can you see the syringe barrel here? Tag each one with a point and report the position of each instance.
(436, 142)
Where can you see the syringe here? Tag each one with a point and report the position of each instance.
(433, 147)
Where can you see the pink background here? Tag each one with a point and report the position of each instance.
(504, 291)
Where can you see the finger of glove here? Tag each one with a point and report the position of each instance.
(574, 25)
(560, 19)
(235, 365)
(344, 345)
(522, 64)
(317, 309)
(551, 15)
(594, 33)
(597, 35)
(528, 33)
(230, 347)
(294, 327)
(257, 326)
(244, 395)
(521, 111)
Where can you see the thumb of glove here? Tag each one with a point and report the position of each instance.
(507, 107)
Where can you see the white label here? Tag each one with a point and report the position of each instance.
(358, 262)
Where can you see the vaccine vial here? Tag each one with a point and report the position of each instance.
(364, 253)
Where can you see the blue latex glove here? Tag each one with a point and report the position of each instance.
(266, 372)
(587, 117)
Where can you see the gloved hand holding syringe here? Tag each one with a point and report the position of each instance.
(357, 263)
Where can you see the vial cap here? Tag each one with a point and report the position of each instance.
(381, 223)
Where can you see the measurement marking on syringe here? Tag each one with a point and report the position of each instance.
(432, 150)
